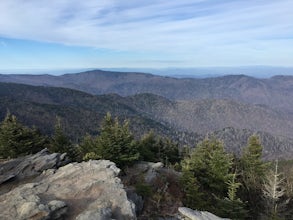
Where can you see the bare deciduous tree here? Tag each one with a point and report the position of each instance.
(274, 192)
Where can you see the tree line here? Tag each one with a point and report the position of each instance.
(237, 187)
(115, 142)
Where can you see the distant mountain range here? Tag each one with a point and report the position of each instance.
(257, 71)
(80, 112)
(186, 121)
(275, 92)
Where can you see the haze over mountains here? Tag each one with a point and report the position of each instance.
(204, 72)
(274, 92)
(228, 107)
(177, 72)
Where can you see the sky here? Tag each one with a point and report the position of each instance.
(56, 34)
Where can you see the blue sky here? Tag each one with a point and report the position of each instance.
(56, 34)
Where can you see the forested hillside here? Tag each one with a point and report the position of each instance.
(79, 112)
(207, 115)
(183, 121)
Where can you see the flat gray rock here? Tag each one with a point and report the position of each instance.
(87, 190)
(197, 215)
(31, 165)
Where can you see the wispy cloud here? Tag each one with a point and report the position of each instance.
(197, 29)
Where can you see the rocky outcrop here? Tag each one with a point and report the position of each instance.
(41, 188)
(189, 214)
(82, 191)
(30, 166)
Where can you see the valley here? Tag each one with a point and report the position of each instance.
(230, 108)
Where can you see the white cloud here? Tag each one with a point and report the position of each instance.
(191, 28)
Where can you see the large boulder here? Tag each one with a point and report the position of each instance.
(82, 191)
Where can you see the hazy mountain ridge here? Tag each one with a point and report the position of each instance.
(200, 116)
(274, 92)
(81, 112)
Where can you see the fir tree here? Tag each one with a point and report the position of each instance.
(17, 140)
(252, 174)
(211, 166)
(148, 147)
(193, 197)
(158, 149)
(88, 148)
(60, 143)
(116, 142)
(232, 206)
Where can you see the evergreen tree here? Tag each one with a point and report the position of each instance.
(60, 143)
(252, 175)
(169, 151)
(148, 147)
(116, 142)
(193, 197)
(88, 148)
(211, 167)
(17, 140)
(154, 148)
(232, 206)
